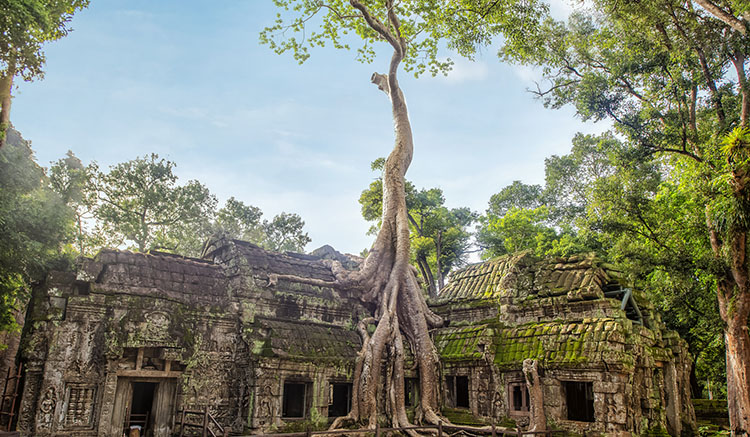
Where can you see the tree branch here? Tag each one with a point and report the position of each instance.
(728, 19)
(376, 24)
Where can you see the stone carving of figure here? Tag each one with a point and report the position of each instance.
(265, 410)
(47, 408)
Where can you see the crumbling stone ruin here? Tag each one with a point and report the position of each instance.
(133, 338)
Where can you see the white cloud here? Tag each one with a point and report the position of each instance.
(529, 75)
(465, 70)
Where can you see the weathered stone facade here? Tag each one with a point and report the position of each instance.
(604, 368)
(131, 334)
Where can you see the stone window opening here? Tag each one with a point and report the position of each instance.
(458, 391)
(579, 400)
(518, 398)
(340, 396)
(295, 400)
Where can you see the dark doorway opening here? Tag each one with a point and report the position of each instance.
(341, 399)
(411, 387)
(139, 413)
(295, 394)
(579, 398)
(458, 391)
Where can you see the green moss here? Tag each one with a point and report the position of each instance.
(460, 416)
(302, 426)
(656, 431)
(461, 344)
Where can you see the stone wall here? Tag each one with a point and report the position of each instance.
(220, 334)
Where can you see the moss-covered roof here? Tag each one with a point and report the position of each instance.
(463, 343)
(584, 343)
(523, 275)
(305, 340)
(564, 344)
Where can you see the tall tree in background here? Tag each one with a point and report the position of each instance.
(282, 233)
(33, 225)
(140, 203)
(440, 236)
(672, 77)
(75, 183)
(25, 25)
(412, 30)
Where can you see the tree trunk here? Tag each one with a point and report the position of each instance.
(738, 372)
(537, 418)
(387, 280)
(438, 254)
(424, 268)
(6, 85)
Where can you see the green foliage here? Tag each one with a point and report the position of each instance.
(516, 195)
(139, 204)
(440, 236)
(283, 233)
(26, 25)
(423, 24)
(672, 81)
(75, 184)
(33, 223)
(142, 205)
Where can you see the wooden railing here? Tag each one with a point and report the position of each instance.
(10, 395)
(206, 427)
(137, 419)
(440, 428)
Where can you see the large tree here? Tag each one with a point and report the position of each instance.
(440, 236)
(33, 225)
(141, 204)
(413, 30)
(284, 232)
(671, 76)
(25, 25)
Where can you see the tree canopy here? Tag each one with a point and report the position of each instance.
(25, 25)
(33, 225)
(671, 76)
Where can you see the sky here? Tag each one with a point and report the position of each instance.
(188, 80)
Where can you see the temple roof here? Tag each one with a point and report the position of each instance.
(523, 275)
(306, 340)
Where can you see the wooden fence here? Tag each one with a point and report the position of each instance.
(440, 428)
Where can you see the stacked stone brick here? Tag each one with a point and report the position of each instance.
(218, 334)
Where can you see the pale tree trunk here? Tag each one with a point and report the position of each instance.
(424, 269)
(387, 280)
(6, 85)
(537, 418)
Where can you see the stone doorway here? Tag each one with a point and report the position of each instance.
(145, 403)
(139, 412)
(145, 393)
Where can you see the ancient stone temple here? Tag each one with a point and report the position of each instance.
(145, 340)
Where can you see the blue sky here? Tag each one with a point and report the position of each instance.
(188, 80)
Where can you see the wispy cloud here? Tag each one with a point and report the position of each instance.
(529, 75)
(465, 70)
